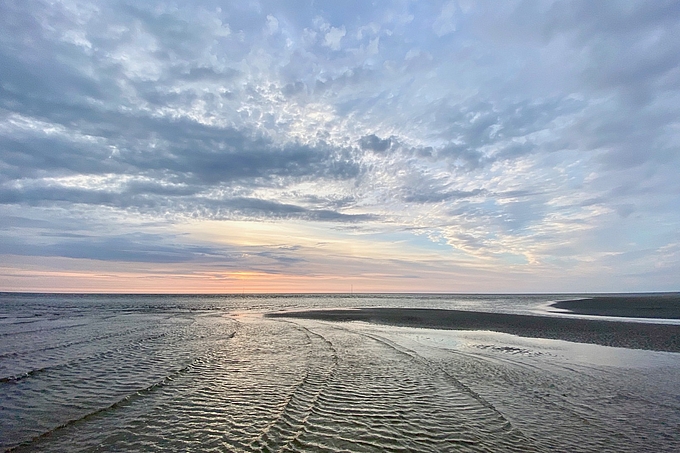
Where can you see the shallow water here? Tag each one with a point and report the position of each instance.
(144, 373)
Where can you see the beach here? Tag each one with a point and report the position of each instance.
(216, 373)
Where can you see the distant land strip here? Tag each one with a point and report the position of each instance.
(666, 305)
(658, 337)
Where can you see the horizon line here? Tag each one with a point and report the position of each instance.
(312, 293)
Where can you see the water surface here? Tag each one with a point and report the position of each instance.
(152, 373)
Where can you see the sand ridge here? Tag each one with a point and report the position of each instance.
(659, 337)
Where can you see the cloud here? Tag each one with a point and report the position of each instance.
(518, 132)
(373, 143)
(445, 22)
(435, 197)
(272, 24)
(127, 248)
(333, 37)
(254, 207)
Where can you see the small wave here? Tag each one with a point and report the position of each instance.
(122, 402)
(376, 400)
(290, 423)
(103, 354)
(42, 330)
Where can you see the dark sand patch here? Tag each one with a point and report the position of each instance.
(666, 305)
(633, 335)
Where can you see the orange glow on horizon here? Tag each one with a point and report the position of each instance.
(246, 275)
(237, 282)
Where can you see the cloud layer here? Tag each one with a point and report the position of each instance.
(467, 145)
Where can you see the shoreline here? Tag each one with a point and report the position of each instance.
(655, 337)
(665, 306)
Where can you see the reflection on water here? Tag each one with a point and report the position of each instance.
(208, 374)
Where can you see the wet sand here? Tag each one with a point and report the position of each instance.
(664, 305)
(657, 337)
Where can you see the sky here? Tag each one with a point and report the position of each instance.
(325, 146)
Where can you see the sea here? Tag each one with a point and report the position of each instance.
(129, 373)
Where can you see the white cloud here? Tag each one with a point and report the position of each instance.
(272, 24)
(445, 23)
(333, 37)
(412, 53)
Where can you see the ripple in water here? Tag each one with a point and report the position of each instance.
(174, 379)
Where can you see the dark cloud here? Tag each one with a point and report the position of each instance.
(158, 188)
(175, 158)
(294, 88)
(330, 202)
(436, 197)
(373, 143)
(187, 149)
(131, 248)
(13, 221)
(41, 196)
(255, 207)
(154, 198)
(54, 156)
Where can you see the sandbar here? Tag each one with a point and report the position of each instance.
(662, 305)
(658, 337)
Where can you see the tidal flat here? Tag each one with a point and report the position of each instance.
(246, 374)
